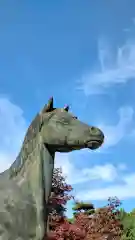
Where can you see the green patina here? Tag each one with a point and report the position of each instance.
(25, 187)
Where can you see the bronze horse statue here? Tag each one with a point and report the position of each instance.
(25, 187)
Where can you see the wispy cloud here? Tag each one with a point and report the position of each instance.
(12, 130)
(124, 127)
(113, 68)
(122, 191)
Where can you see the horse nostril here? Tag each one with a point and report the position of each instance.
(97, 132)
(94, 131)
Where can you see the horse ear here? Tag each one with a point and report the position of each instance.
(66, 108)
(49, 106)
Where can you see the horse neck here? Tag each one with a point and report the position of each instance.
(47, 165)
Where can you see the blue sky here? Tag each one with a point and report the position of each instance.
(82, 53)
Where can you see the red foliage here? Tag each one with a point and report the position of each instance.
(65, 230)
(60, 193)
(103, 224)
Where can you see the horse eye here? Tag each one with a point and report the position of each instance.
(63, 121)
(74, 117)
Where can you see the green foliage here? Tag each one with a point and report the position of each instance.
(89, 212)
(128, 222)
(86, 207)
(70, 220)
(122, 214)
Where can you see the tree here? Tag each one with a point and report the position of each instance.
(87, 208)
(88, 224)
(103, 224)
(59, 197)
(128, 221)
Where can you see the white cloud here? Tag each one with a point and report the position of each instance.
(124, 127)
(12, 130)
(104, 172)
(113, 69)
(122, 191)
